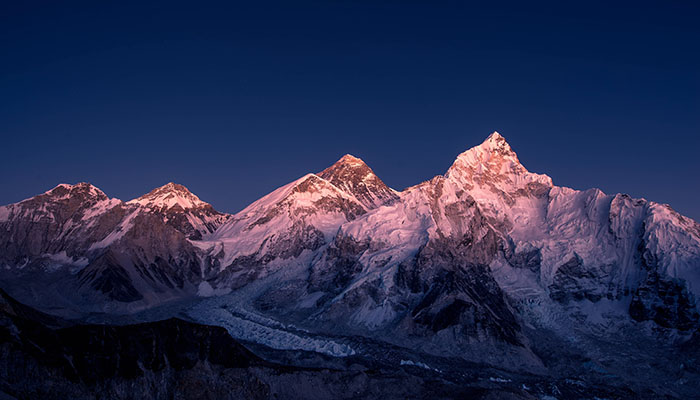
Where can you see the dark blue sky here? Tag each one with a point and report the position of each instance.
(233, 99)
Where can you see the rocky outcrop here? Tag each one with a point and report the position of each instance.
(574, 282)
(665, 301)
(339, 265)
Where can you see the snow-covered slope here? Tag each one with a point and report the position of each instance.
(289, 224)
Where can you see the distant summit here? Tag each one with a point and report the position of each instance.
(353, 176)
(168, 196)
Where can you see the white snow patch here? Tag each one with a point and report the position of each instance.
(61, 259)
(418, 364)
(117, 234)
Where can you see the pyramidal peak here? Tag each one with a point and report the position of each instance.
(351, 175)
(494, 162)
(496, 142)
(348, 167)
(349, 159)
(494, 148)
(168, 196)
(346, 163)
(495, 136)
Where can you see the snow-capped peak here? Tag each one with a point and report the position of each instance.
(351, 175)
(493, 162)
(349, 159)
(169, 196)
(494, 151)
(495, 137)
(347, 168)
(66, 190)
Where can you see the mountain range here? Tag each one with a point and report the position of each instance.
(489, 264)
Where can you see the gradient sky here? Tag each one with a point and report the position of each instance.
(233, 100)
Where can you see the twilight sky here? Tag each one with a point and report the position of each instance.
(235, 99)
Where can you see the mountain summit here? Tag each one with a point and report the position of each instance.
(351, 175)
(82, 189)
(492, 169)
(169, 196)
(182, 210)
(493, 157)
